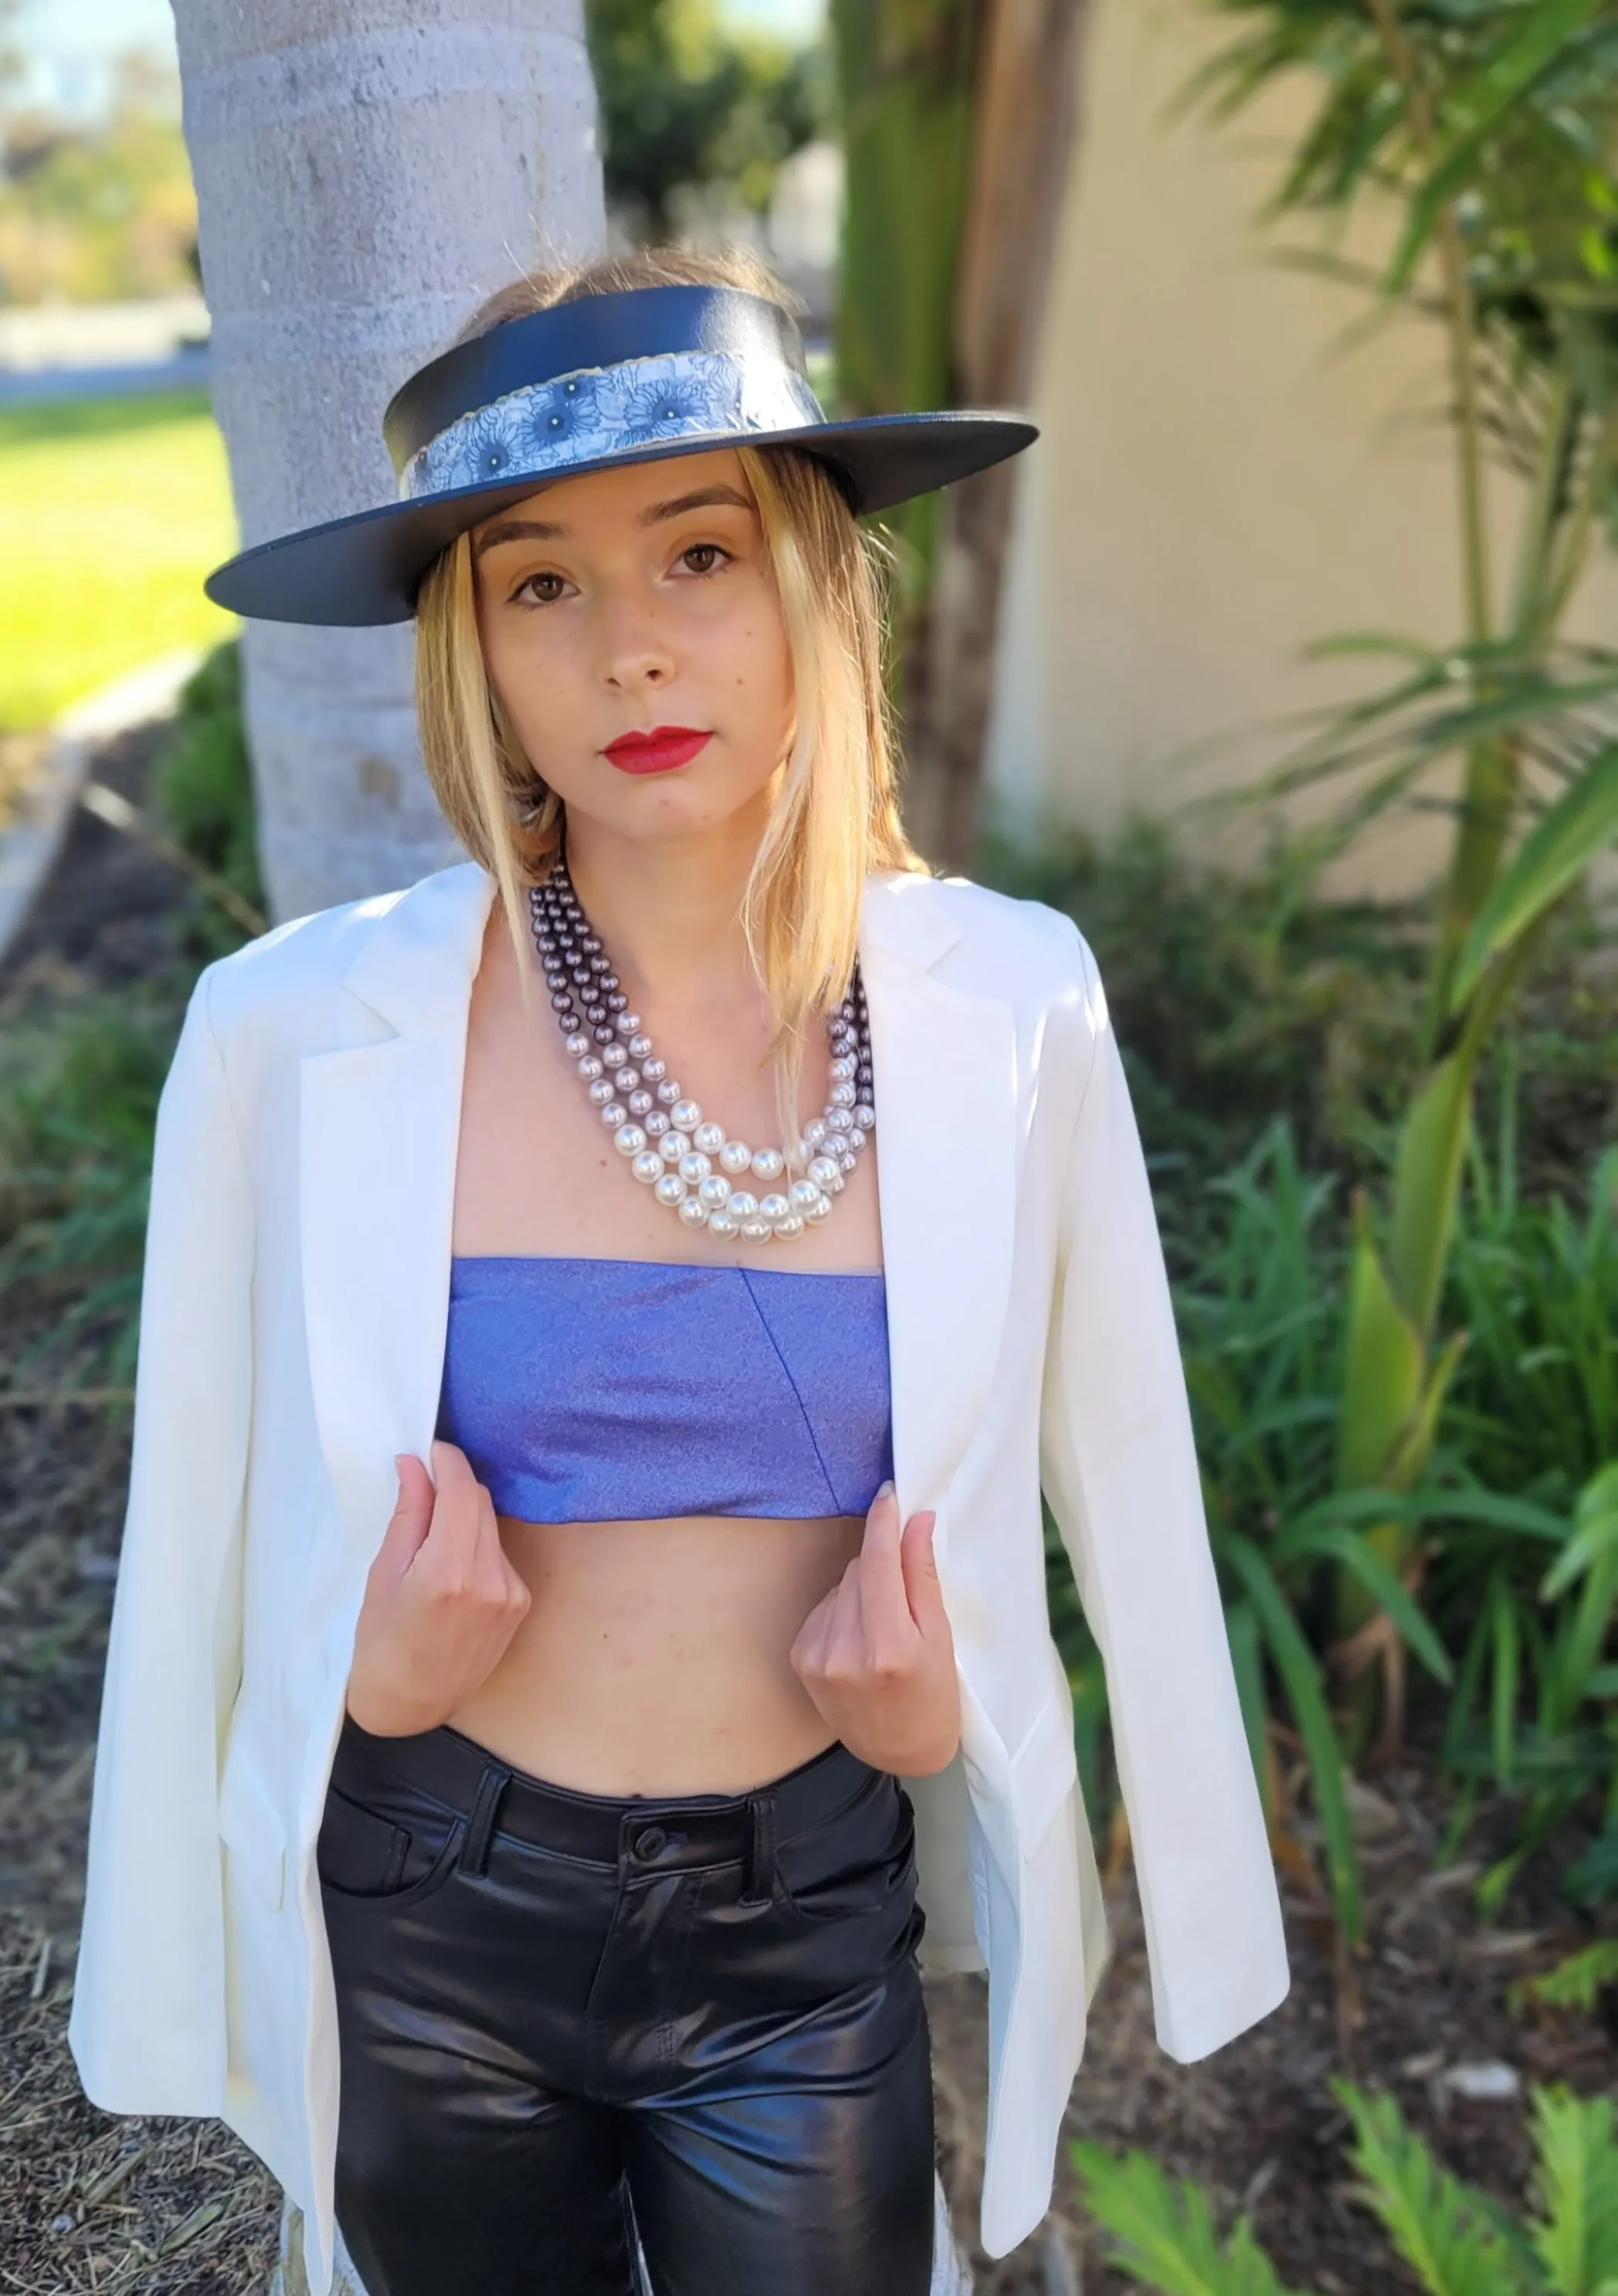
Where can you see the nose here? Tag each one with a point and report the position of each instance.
(634, 653)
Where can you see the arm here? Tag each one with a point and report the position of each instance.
(147, 2030)
(1120, 1472)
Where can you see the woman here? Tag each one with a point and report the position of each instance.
(609, 1313)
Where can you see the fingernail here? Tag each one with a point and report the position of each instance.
(886, 1492)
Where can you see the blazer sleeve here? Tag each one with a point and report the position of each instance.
(147, 2030)
(1119, 1469)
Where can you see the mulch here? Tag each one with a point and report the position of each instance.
(91, 2202)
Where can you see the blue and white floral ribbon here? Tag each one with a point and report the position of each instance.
(608, 410)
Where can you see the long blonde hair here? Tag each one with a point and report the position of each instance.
(835, 815)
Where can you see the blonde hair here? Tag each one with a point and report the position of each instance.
(835, 812)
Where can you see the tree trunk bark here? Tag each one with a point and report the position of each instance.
(365, 174)
(1024, 131)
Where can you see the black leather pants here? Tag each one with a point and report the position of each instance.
(567, 2018)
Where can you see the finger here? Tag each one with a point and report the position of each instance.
(454, 1523)
(921, 1587)
(885, 1611)
(412, 1510)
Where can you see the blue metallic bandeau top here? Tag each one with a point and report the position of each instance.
(602, 1391)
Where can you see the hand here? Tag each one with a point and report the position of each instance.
(441, 1603)
(876, 1654)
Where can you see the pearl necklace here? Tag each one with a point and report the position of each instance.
(692, 1166)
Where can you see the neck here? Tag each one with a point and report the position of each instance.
(669, 912)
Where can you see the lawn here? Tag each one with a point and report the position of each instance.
(111, 512)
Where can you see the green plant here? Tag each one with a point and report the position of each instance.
(1486, 123)
(77, 1111)
(1258, 1306)
(1454, 2239)
(203, 791)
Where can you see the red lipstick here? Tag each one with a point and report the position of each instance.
(657, 752)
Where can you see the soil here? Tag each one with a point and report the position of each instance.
(91, 2202)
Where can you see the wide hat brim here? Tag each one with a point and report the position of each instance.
(367, 568)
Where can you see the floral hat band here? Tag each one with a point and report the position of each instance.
(605, 410)
(640, 375)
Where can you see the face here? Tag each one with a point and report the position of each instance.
(624, 601)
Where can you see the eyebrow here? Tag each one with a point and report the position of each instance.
(544, 529)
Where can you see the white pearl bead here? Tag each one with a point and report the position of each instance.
(855, 1139)
(837, 1120)
(639, 1047)
(648, 1166)
(650, 1068)
(841, 1095)
(842, 1067)
(614, 1056)
(673, 1146)
(735, 1158)
(668, 1091)
(804, 1195)
(670, 1189)
(577, 1045)
(709, 1138)
(628, 1078)
(774, 1209)
(790, 1226)
(590, 1067)
(639, 1102)
(629, 1140)
(612, 1115)
(687, 1115)
(694, 1212)
(769, 1163)
(814, 1131)
(714, 1192)
(756, 1231)
(657, 1122)
(694, 1166)
(720, 1223)
(603, 1090)
(823, 1170)
(742, 1206)
(820, 1210)
(864, 1114)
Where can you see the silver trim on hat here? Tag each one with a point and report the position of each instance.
(608, 410)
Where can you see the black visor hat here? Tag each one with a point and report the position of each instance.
(642, 375)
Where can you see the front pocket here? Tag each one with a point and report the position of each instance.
(858, 1863)
(365, 1856)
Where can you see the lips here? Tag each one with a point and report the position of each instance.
(657, 752)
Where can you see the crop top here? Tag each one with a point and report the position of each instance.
(600, 1391)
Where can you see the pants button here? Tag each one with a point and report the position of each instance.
(651, 1844)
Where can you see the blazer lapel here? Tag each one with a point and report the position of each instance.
(945, 1062)
(379, 1130)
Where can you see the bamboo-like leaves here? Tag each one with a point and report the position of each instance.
(1534, 45)
(1555, 852)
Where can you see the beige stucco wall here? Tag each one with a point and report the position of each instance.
(1218, 480)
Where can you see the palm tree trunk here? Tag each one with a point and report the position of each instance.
(364, 173)
(1024, 126)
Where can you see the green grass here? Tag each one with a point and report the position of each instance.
(111, 512)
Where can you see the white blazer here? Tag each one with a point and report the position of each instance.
(292, 1342)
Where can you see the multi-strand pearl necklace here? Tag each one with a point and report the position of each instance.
(691, 1165)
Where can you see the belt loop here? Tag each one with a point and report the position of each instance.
(485, 1808)
(758, 1873)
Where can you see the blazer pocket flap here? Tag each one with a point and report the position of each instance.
(251, 1827)
(1044, 1770)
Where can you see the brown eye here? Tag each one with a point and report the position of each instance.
(521, 594)
(704, 550)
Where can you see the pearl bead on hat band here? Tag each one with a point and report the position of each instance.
(692, 1165)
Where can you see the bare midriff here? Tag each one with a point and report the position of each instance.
(654, 1657)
